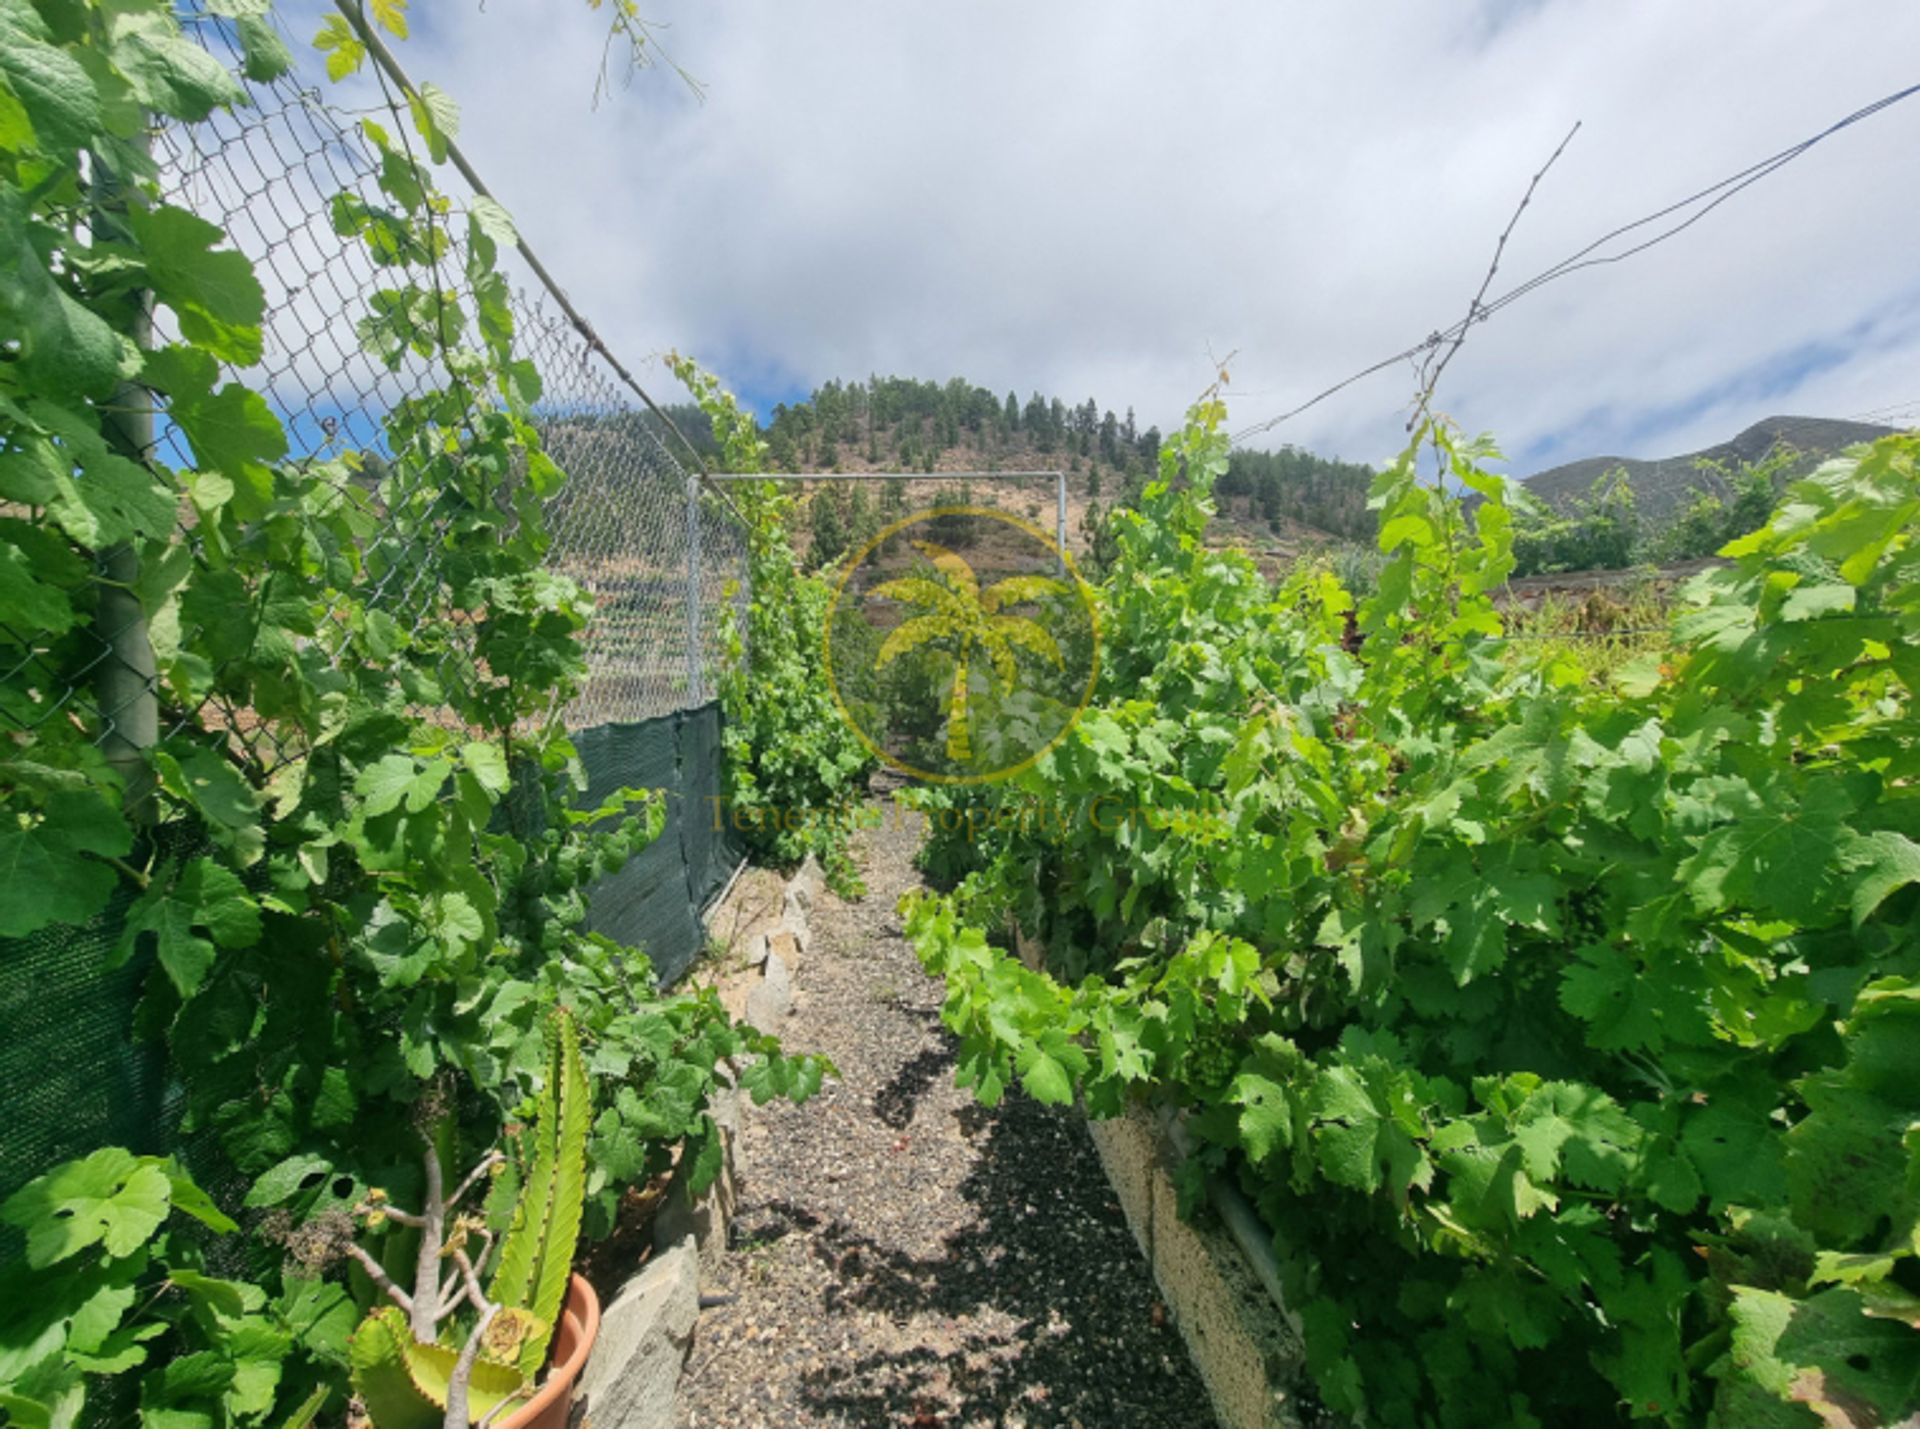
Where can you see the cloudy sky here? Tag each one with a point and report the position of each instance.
(1099, 199)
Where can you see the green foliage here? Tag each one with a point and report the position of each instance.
(1564, 1029)
(1604, 531)
(115, 1280)
(1298, 485)
(360, 659)
(1732, 503)
(921, 422)
(1600, 532)
(791, 760)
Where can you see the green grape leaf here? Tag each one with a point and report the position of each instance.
(1736, 1154)
(214, 291)
(1787, 857)
(266, 56)
(219, 793)
(167, 71)
(1826, 1353)
(16, 127)
(382, 786)
(391, 16)
(235, 432)
(205, 895)
(1048, 1066)
(345, 51)
(28, 601)
(111, 1198)
(190, 1200)
(287, 1179)
(65, 350)
(1579, 1132)
(113, 498)
(488, 764)
(52, 90)
(44, 876)
(1266, 1115)
(437, 118)
(1357, 1146)
(1888, 863)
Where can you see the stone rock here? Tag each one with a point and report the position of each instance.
(772, 997)
(631, 1376)
(795, 928)
(809, 882)
(784, 942)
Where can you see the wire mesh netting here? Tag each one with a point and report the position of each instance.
(661, 555)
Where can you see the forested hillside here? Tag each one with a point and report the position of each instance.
(1300, 486)
(1276, 505)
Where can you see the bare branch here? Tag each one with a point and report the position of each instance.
(462, 1376)
(426, 1274)
(487, 1163)
(1476, 310)
(472, 1279)
(395, 1214)
(377, 1273)
(453, 1294)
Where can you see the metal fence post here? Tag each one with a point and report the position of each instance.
(1060, 516)
(695, 674)
(126, 682)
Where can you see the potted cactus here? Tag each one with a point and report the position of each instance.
(467, 1344)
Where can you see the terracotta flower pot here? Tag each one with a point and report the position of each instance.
(572, 1341)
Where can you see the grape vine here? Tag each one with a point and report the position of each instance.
(1564, 1031)
(355, 860)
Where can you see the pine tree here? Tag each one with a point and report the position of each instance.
(827, 525)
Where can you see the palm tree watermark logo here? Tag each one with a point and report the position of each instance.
(961, 644)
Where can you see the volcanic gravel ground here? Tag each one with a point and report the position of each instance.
(904, 1256)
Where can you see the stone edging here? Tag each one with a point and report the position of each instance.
(633, 1374)
(1218, 1278)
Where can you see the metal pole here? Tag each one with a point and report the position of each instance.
(1060, 497)
(126, 683)
(694, 663)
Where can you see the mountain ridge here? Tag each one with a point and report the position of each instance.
(1663, 485)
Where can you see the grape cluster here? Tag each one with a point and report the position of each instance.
(1585, 921)
(1211, 1059)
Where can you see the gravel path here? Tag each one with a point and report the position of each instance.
(903, 1256)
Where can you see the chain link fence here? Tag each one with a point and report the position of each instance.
(632, 524)
(661, 555)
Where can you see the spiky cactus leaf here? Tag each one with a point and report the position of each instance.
(519, 1263)
(377, 1359)
(430, 1367)
(568, 1199)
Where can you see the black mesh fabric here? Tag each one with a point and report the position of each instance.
(74, 1077)
(655, 902)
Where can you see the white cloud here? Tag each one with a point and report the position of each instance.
(1088, 200)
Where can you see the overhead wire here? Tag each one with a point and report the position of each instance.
(1480, 312)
